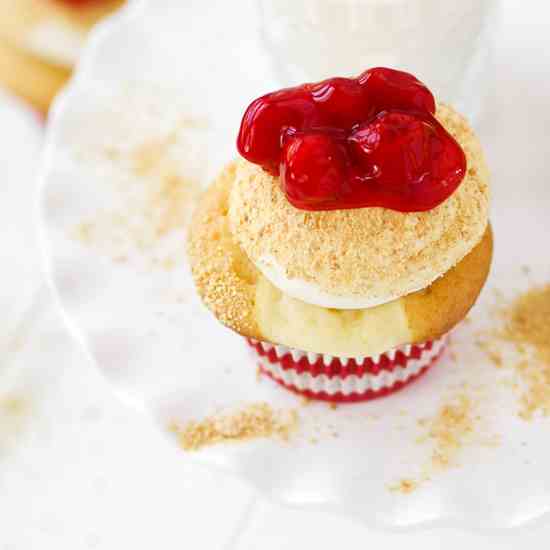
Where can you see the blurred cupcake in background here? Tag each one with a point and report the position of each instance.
(41, 41)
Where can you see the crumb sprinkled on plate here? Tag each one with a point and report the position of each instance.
(257, 420)
(404, 486)
(455, 426)
(153, 198)
(14, 412)
(526, 327)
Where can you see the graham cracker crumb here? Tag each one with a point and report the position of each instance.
(526, 327)
(528, 322)
(151, 200)
(494, 356)
(13, 405)
(257, 420)
(449, 429)
(454, 426)
(14, 412)
(404, 486)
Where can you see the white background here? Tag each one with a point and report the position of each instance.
(80, 470)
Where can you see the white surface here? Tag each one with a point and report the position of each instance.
(87, 473)
(21, 142)
(158, 352)
(78, 469)
(83, 471)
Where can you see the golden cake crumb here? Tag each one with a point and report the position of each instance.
(258, 420)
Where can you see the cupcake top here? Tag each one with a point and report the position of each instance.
(319, 249)
(356, 222)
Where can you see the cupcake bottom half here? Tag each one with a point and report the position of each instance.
(345, 380)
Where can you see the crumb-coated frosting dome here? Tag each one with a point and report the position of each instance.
(351, 259)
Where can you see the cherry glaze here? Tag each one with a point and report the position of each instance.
(353, 143)
(79, 3)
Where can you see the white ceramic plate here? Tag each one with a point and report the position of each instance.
(170, 64)
(21, 142)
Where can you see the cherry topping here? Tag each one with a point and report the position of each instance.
(405, 161)
(391, 89)
(353, 143)
(313, 168)
(79, 3)
(340, 102)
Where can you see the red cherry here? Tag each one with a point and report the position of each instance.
(353, 143)
(313, 167)
(341, 102)
(391, 89)
(267, 118)
(79, 3)
(405, 161)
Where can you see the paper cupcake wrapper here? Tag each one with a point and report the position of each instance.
(338, 379)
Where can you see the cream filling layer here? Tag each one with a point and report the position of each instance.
(346, 333)
(310, 293)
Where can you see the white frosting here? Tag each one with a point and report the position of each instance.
(56, 42)
(310, 293)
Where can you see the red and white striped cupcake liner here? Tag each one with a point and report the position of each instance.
(338, 379)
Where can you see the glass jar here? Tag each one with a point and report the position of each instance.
(445, 43)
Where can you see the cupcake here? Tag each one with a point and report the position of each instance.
(350, 238)
(40, 42)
